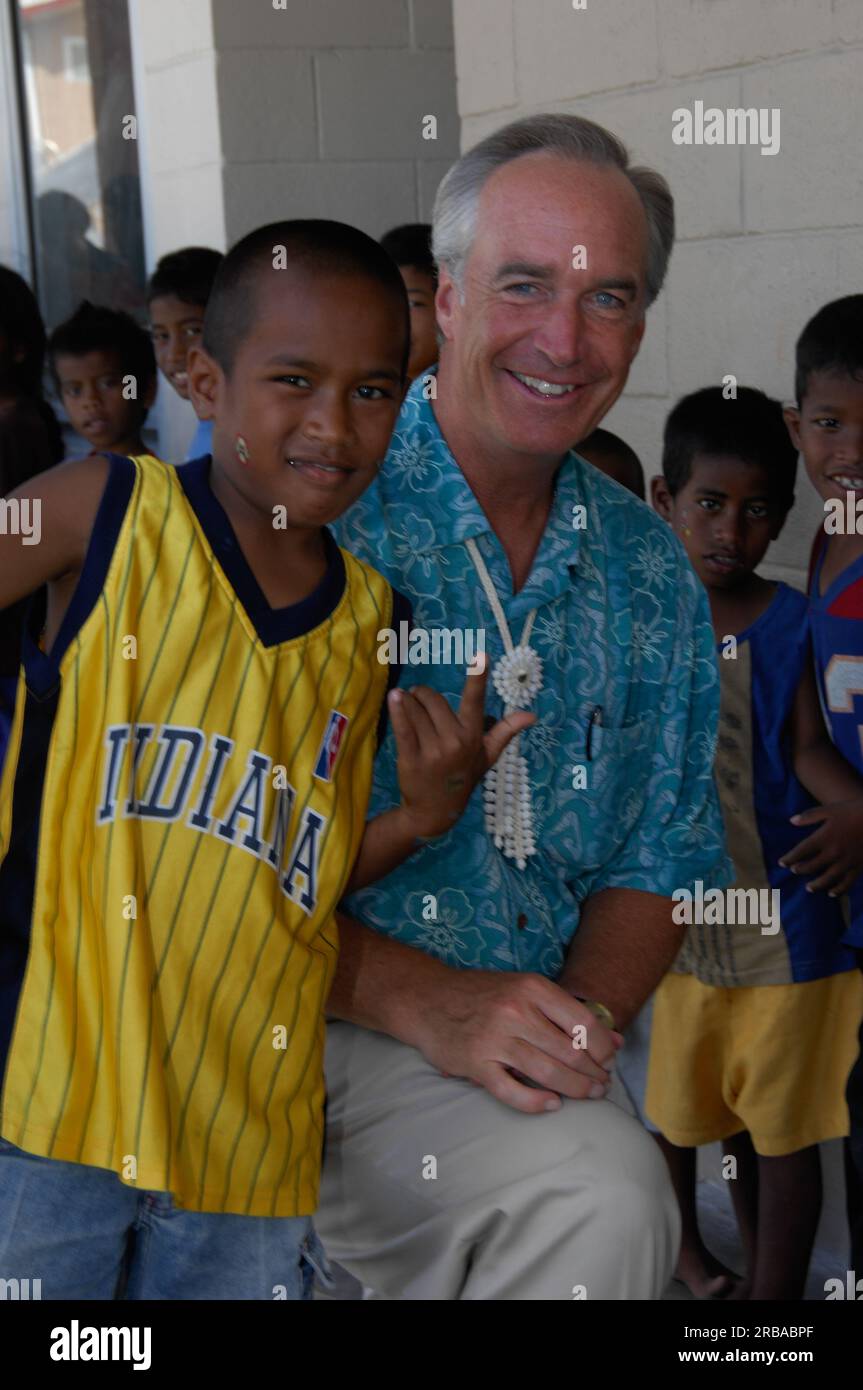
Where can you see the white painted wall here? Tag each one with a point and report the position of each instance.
(763, 241)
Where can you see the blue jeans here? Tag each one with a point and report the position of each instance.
(86, 1235)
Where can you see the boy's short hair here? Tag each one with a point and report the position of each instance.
(93, 328)
(749, 426)
(186, 275)
(832, 341)
(410, 244)
(320, 247)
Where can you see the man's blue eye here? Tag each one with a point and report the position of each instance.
(611, 300)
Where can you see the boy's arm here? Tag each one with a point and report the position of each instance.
(835, 850)
(61, 511)
(442, 754)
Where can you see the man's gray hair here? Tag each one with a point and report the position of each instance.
(455, 210)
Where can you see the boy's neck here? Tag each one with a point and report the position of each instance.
(288, 563)
(130, 448)
(734, 610)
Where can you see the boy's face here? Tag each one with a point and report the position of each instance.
(421, 292)
(314, 392)
(723, 516)
(175, 326)
(828, 431)
(91, 388)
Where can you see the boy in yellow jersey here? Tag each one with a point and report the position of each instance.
(184, 799)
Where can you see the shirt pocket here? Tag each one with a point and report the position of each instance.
(617, 778)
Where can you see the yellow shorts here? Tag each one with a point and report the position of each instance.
(770, 1059)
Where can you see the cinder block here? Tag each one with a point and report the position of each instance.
(562, 53)
(739, 305)
(266, 106)
(186, 209)
(699, 35)
(373, 105)
(429, 174)
(484, 55)
(432, 23)
(705, 179)
(476, 128)
(372, 196)
(182, 115)
(311, 24)
(814, 179)
(169, 33)
(848, 20)
(639, 420)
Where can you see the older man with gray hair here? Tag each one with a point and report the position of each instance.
(476, 1147)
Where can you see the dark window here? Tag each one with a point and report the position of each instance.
(82, 152)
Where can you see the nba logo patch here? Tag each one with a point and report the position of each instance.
(330, 745)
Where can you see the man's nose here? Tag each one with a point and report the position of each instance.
(562, 333)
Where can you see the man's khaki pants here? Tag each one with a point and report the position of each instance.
(432, 1189)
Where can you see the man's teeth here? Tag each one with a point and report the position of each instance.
(852, 482)
(545, 388)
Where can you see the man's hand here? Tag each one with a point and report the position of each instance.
(488, 1025)
(834, 851)
(442, 754)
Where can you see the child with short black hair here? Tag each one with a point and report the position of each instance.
(826, 425)
(410, 248)
(207, 698)
(754, 1029)
(104, 370)
(177, 295)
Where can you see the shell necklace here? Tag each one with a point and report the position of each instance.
(517, 678)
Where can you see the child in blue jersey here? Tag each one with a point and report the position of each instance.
(754, 1028)
(827, 427)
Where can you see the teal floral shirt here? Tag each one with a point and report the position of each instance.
(622, 623)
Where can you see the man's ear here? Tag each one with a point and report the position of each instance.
(792, 421)
(205, 381)
(661, 498)
(637, 337)
(447, 303)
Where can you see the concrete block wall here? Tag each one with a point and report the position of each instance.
(763, 240)
(249, 112)
(316, 109)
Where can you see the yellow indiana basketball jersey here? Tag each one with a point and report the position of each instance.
(184, 797)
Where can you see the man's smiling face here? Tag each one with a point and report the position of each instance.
(540, 349)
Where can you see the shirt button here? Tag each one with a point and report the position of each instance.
(522, 921)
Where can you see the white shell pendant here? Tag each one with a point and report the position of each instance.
(508, 814)
(517, 677)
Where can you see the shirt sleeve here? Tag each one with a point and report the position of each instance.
(402, 612)
(679, 836)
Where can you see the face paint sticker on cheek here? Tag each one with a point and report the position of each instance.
(241, 449)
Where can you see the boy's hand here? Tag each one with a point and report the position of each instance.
(834, 852)
(443, 754)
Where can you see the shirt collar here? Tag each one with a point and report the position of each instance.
(418, 444)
